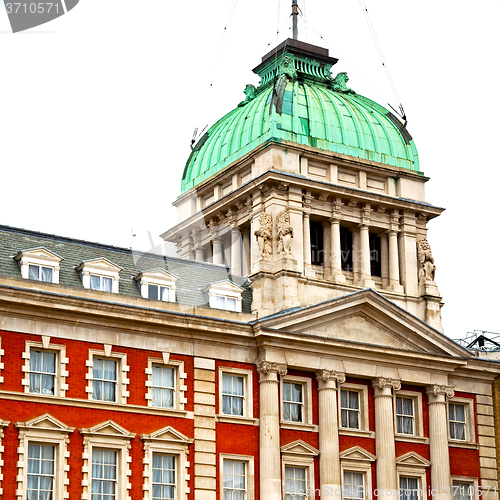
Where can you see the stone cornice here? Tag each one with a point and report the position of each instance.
(276, 176)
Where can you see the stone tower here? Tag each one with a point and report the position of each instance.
(310, 190)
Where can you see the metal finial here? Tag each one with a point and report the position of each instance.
(295, 13)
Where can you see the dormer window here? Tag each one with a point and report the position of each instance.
(102, 283)
(227, 303)
(39, 264)
(224, 295)
(100, 274)
(157, 284)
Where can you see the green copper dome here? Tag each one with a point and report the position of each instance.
(299, 101)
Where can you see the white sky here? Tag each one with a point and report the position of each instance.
(98, 108)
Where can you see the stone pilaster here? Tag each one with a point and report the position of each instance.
(486, 437)
(329, 455)
(216, 243)
(307, 235)
(437, 396)
(364, 257)
(384, 259)
(384, 435)
(204, 429)
(235, 251)
(407, 247)
(336, 254)
(269, 430)
(246, 252)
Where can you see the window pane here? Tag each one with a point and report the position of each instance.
(460, 413)
(47, 274)
(353, 400)
(220, 302)
(40, 483)
(107, 284)
(165, 293)
(407, 406)
(34, 272)
(153, 292)
(343, 399)
(231, 304)
(297, 392)
(95, 282)
(35, 361)
(109, 370)
(234, 480)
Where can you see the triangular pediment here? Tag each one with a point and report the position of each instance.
(45, 423)
(366, 317)
(412, 459)
(100, 263)
(299, 447)
(358, 454)
(40, 253)
(108, 428)
(157, 274)
(224, 286)
(168, 434)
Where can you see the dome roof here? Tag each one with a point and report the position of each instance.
(298, 101)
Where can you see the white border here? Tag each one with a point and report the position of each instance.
(180, 376)
(247, 417)
(307, 422)
(61, 363)
(46, 430)
(250, 473)
(122, 381)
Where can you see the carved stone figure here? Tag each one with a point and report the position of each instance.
(288, 68)
(285, 233)
(339, 84)
(250, 92)
(427, 269)
(265, 235)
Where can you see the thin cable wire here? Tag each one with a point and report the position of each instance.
(224, 36)
(352, 67)
(381, 54)
(278, 19)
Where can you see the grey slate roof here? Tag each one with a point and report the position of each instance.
(193, 276)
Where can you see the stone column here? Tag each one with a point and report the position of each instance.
(327, 259)
(364, 254)
(384, 436)
(246, 252)
(235, 251)
(269, 430)
(394, 284)
(216, 243)
(336, 253)
(438, 441)
(198, 249)
(355, 254)
(307, 243)
(408, 254)
(384, 259)
(329, 455)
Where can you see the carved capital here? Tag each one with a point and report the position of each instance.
(265, 367)
(306, 201)
(384, 383)
(327, 375)
(440, 390)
